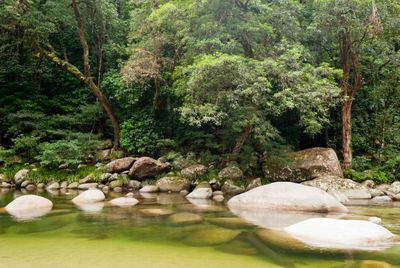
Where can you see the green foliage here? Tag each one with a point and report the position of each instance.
(26, 146)
(69, 153)
(139, 134)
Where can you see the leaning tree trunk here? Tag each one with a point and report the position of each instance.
(242, 139)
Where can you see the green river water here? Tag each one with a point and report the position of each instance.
(115, 237)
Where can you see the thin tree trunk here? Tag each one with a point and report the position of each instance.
(157, 96)
(346, 134)
(87, 79)
(242, 139)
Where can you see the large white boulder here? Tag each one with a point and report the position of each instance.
(341, 234)
(286, 196)
(29, 206)
(89, 197)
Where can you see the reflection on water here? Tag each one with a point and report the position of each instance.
(119, 237)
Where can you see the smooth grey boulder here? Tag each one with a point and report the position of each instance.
(124, 201)
(86, 186)
(134, 185)
(89, 196)
(303, 165)
(200, 193)
(394, 187)
(53, 186)
(119, 165)
(29, 206)
(172, 184)
(381, 199)
(73, 185)
(146, 167)
(341, 234)
(287, 196)
(230, 188)
(149, 189)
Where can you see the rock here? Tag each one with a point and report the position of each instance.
(119, 165)
(375, 220)
(53, 186)
(104, 177)
(194, 171)
(184, 218)
(218, 198)
(5, 185)
(211, 236)
(230, 188)
(340, 234)
(105, 189)
(146, 167)
(287, 196)
(87, 179)
(341, 197)
(200, 193)
(396, 197)
(64, 185)
(231, 222)
(116, 183)
(20, 176)
(368, 184)
(30, 187)
(124, 201)
(172, 184)
(25, 183)
(113, 177)
(184, 192)
(117, 189)
(41, 185)
(203, 184)
(230, 173)
(180, 163)
(156, 212)
(381, 199)
(134, 185)
(106, 144)
(217, 193)
(374, 264)
(383, 187)
(86, 186)
(254, 184)
(376, 192)
(73, 185)
(29, 206)
(215, 184)
(89, 196)
(91, 207)
(303, 165)
(149, 189)
(351, 189)
(129, 195)
(395, 187)
(3, 178)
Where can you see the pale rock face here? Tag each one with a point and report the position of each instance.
(194, 171)
(20, 175)
(124, 201)
(287, 196)
(149, 189)
(172, 184)
(29, 206)
(341, 234)
(89, 197)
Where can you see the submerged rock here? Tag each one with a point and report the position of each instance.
(155, 212)
(303, 165)
(211, 236)
(287, 196)
(124, 201)
(374, 264)
(29, 206)
(231, 222)
(89, 196)
(184, 218)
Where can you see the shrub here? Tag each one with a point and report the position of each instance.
(26, 146)
(139, 134)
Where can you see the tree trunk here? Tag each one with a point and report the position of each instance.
(242, 139)
(157, 96)
(87, 79)
(346, 134)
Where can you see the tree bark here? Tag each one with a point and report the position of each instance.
(87, 79)
(242, 139)
(350, 84)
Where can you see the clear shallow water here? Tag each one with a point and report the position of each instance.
(124, 237)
